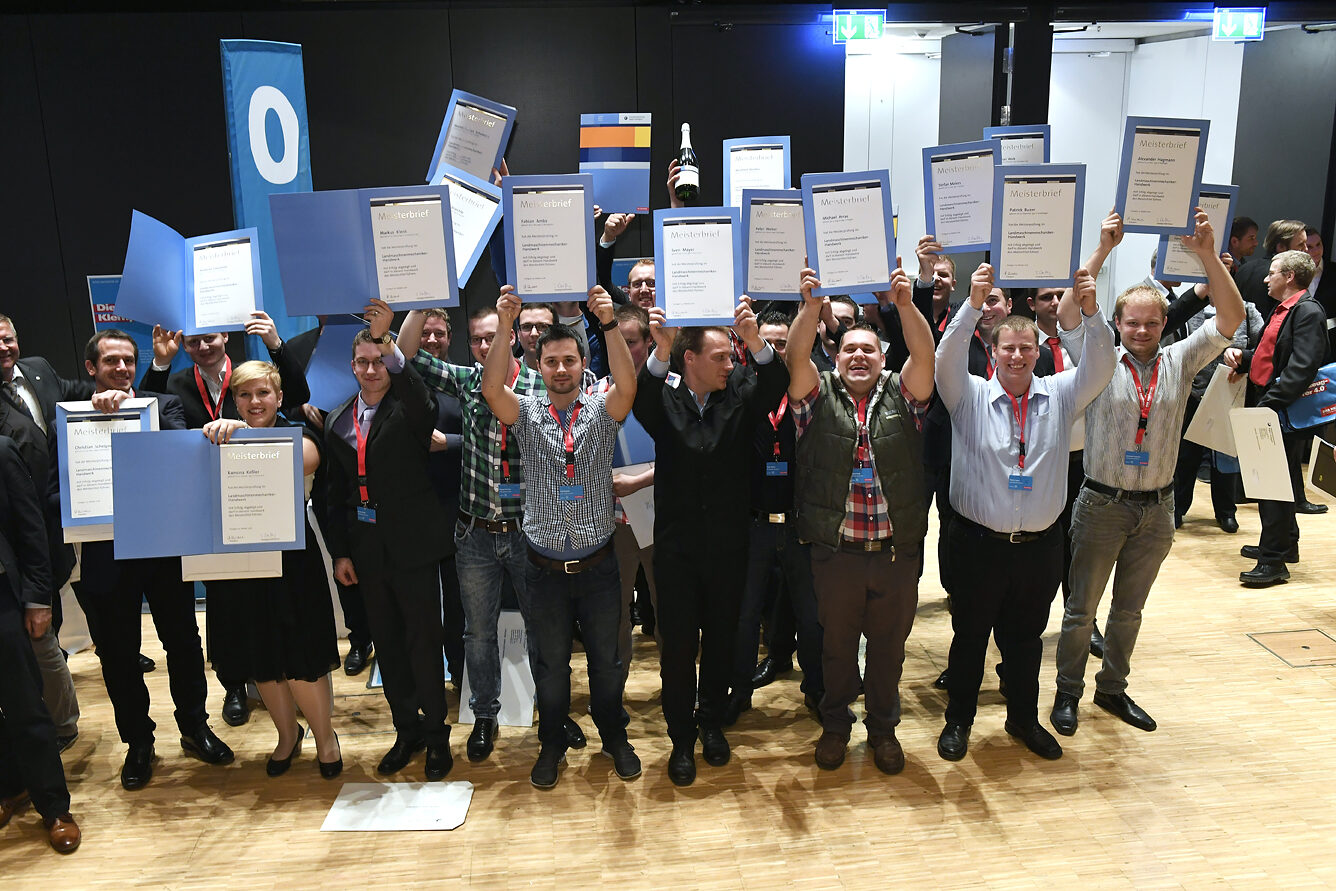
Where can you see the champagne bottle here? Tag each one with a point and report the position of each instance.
(688, 175)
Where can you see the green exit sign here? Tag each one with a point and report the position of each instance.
(1238, 24)
(854, 24)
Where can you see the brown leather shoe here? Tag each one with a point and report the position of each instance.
(64, 832)
(12, 806)
(830, 750)
(887, 754)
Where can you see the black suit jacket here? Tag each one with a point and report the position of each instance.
(411, 527)
(23, 545)
(52, 388)
(1251, 281)
(1301, 349)
(182, 386)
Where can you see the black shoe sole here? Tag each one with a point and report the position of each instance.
(555, 779)
(1264, 583)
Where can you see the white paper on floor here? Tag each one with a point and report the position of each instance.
(399, 807)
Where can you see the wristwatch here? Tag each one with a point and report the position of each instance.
(609, 326)
(385, 339)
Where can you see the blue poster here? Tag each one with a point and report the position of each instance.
(102, 296)
(264, 95)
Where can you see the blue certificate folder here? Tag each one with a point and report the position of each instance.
(738, 149)
(158, 280)
(1169, 129)
(169, 499)
(467, 192)
(852, 183)
(487, 115)
(577, 187)
(1225, 198)
(750, 199)
(960, 151)
(1038, 175)
(71, 418)
(1014, 133)
(326, 254)
(614, 150)
(329, 375)
(697, 216)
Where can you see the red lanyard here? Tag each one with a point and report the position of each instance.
(776, 417)
(361, 454)
(213, 409)
(568, 436)
(1145, 397)
(860, 406)
(1019, 409)
(986, 351)
(505, 462)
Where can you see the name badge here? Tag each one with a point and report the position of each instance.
(1019, 482)
(570, 493)
(776, 468)
(366, 514)
(510, 490)
(673, 379)
(1136, 459)
(861, 475)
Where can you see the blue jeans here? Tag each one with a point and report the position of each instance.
(556, 598)
(1135, 537)
(484, 560)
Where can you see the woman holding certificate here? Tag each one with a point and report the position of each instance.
(279, 631)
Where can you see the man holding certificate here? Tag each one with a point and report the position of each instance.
(1124, 514)
(702, 420)
(567, 438)
(111, 591)
(1010, 439)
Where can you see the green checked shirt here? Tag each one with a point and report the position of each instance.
(481, 458)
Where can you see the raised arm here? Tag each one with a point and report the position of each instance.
(803, 376)
(500, 398)
(622, 368)
(410, 332)
(917, 374)
(951, 369)
(1229, 311)
(1098, 358)
(1110, 236)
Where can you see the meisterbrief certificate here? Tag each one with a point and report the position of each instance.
(408, 238)
(224, 277)
(759, 166)
(776, 246)
(1179, 262)
(1160, 178)
(962, 197)
(258, 490)
(470, 211)
(698, 268)
(850, 224)
(1038, 224)
(89, 456)
(473, 139)
(551, 241)
(1022, 148)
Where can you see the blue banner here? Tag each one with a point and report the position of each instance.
(264, 94)
(102, 291)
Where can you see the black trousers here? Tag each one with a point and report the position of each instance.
(453, 611)
(1005, 589)
(28, 755)
(226, 680)
(111, 593)
(1185, 474)
(1075, 477)
(778, 586)
(1280, 529)
(700, 594)
(403, 606)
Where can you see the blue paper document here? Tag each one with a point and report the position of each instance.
(1037, 224)
(475, 211)
(1160, 174)
(329, 374)
(698, 263)
(83, 441)
(1022, 143)
(774, 243)
(1173, 262)
(549, 236)
(197, 285)
(958, 194)
(102, 291)
(850, 230)
(473, 136)
(614, 150)
(755, 162)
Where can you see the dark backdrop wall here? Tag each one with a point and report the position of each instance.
(109, 113)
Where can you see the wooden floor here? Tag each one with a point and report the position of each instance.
(1237, 788)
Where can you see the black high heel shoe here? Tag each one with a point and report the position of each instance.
(331, 769)
(276, 767)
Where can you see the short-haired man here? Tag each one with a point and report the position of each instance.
(111, 592)
(1242, 240)
(1292, 348)
(532, 324)
(860, 503)
(387, 536)
(838, 313)
(1281, 236)
(1124, 516)
(1010, 442)
(567, 438)
(702, 421)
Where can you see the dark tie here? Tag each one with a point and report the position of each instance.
(12, 394)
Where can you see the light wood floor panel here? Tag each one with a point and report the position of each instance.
(1237, 789)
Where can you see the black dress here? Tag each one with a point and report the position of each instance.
(278, 628)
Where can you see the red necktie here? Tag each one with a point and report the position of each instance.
(1055, 344)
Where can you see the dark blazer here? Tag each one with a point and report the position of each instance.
(411, 527)
(182, 386)
(1251, 281)
(897, 353)
(603, 257)
(52, 388)
(1301, 349)
(23, 545)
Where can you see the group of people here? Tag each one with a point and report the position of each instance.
(795, 459)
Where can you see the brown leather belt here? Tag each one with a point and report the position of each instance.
(494, 526)
(570, 567)
(875, 546)
(1011, 537)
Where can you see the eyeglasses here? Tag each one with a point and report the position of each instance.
(482, 341)
(644, 283)
(364, 364)
(540, 327)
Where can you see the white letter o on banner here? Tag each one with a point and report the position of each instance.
(284, 170)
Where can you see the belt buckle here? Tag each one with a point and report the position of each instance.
(872, 545)
(1011, 537)
(567, 564)
(775, 518)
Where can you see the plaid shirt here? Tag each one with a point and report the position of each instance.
(481, 456)
(865, 515)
